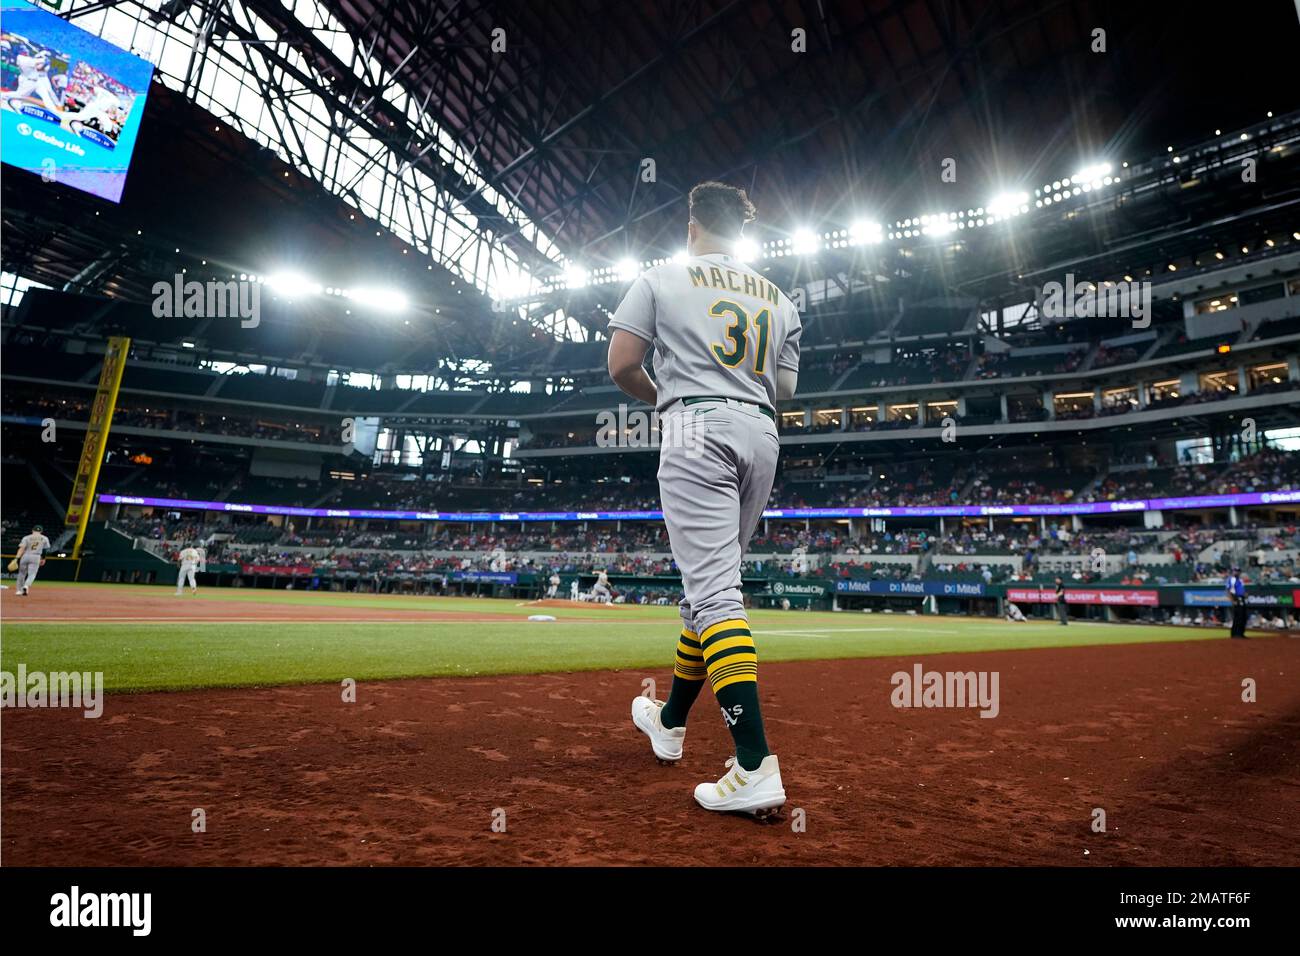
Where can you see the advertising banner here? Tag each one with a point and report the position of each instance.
(1047, 595)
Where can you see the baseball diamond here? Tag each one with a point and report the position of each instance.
(603, 450)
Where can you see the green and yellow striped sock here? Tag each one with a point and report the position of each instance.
(731, 661)
(688, 679)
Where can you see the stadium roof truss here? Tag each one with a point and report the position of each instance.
(291, 77)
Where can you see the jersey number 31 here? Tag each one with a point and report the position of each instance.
(738, 334)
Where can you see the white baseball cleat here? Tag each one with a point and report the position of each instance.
(666, 742)
(758, 792)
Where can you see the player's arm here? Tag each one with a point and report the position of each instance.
(22, 548)
(626, 357)
(787, 380)
(631, 330)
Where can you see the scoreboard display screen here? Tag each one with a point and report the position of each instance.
(70, 102)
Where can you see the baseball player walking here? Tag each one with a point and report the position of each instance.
(191, 559)
(30, 559)
(726, 348)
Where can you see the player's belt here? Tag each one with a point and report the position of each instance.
(739, 401)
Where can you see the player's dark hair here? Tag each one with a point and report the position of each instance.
(721, 209)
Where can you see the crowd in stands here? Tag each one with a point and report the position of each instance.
(1006, 364)
(1147, 483)
(1181, 551)
(920, 366)
(1270, 620)
(1183, 555)
(1269, 470)
(930, 482)
(1178, 399)
(1020, 488)
(134, 413)
(1107, 356)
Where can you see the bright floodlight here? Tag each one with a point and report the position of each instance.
(939, 227)
(863, 232)
(381, 300)
(746, 250)
(514, 284)
(627, 269)
(805, 242)
(1006, 204)
(292, 285)
(575, 277)
(1091, 174)
(681, 256)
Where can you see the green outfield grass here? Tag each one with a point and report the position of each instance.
(164, 656)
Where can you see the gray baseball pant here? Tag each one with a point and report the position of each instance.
(27, 568)
(717, 461)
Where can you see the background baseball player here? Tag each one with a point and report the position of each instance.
(192, 559)
(30, 559)
(103, 111)
(553, 583)
(600, 591)
(726, 347)
(34, 80)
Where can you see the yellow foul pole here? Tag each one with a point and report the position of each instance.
(82, 501)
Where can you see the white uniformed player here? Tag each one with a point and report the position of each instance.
(726, 348)
(34, 80)
(103, 111)
(191, 559)
(600, 590)
(30, 559)
(554, 585)
(1014, 613)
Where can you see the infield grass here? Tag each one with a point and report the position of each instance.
(164, 655)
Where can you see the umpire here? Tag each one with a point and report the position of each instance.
(1236, 589)
(1062, 609)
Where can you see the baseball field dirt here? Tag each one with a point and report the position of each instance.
(418, 771)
